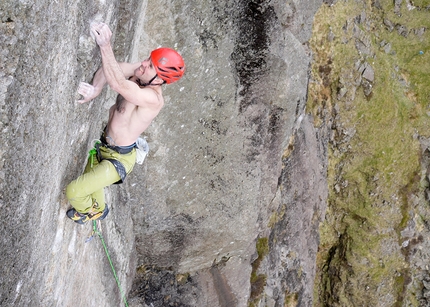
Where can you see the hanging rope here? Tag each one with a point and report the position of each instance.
(93, 153)
(96, 231)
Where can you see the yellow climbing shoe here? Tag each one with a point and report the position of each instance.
(82, 218)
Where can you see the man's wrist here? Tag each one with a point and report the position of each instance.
(98, 89)
(106, 46)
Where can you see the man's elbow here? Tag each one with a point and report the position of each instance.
(115, 87)
(118, 86)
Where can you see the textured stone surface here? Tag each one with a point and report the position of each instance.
(294, 238)
(216, 153)
(218, 160)
(210, 183)
(373, 239)
(45, 137)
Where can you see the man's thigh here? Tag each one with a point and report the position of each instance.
(98, 177)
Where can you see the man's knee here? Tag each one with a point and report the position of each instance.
(72, 191)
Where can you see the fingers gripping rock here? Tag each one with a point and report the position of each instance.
(101, 33)
(87, 91)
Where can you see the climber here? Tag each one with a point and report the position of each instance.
(139, 101)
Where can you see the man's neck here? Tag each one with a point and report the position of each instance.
(142, 84)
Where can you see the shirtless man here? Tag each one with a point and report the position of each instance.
(139, 101)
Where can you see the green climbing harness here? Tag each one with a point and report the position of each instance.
(119, 166)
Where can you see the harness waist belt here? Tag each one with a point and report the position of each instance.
(122, 150)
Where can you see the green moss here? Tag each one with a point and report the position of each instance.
(257, 286)
(182, 279)
(276, 216)
(258, 281)
(262, 247)
(373, 173)
(291, 299)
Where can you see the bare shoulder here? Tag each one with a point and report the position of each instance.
(153, 96)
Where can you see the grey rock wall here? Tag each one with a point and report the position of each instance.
(182, 229)
(294, 237)
(217, 147)
(216, 157)
(45, 138)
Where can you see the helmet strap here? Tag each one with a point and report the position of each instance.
(149, 83)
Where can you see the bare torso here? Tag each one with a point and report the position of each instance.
(127, 121)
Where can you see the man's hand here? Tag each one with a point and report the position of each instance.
(102, 33)
(87, 91)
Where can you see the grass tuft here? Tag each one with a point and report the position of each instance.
(374, 155)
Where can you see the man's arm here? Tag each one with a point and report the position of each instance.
(91, 91)
(113, 73)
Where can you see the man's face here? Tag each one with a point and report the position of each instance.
(146, 71)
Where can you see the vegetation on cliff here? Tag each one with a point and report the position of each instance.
(370, 84)
(258, 281)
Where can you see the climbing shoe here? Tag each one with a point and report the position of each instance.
(82, 218)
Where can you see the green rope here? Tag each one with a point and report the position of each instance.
(95, 230)
(92, 153)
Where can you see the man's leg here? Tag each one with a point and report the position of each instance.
(88, 188)
(86, 193)
(98, 195)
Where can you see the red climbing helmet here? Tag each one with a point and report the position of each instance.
(168, 64)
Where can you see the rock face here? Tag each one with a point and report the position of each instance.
(294, 237)
(182, 230)
(372, 248)
(45, 136)
(212, 179)
(230, 206)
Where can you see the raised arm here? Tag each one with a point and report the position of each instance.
(91, 91)
(115, 77)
